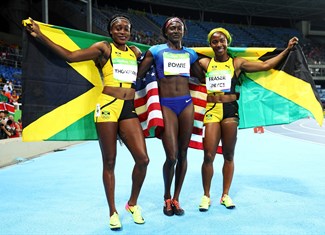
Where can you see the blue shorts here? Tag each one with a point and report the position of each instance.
(176, 104)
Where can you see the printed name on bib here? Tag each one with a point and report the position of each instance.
(176, 64)
(218, 80)
(125, 70)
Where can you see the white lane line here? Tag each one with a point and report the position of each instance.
(303, 125)
(301, 132)
(294, 137)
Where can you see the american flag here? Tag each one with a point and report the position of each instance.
(147, 104)
(148, 108)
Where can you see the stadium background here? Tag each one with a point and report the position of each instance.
(279, 189)
(252, 24)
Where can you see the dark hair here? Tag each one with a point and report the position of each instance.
(113, 18)
(163, 28)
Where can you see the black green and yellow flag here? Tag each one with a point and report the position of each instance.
(278, 96)
(59, 98)
(281, 95)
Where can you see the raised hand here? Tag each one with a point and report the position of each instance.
(293, 41)
(33, 28)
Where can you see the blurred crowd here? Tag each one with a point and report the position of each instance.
(9, 128)
(9, 99)
(10, 89)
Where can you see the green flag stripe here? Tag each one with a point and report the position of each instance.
(77, 129)
(261, 112)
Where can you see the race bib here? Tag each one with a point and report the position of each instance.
(218, 80)
(176, 64)
(125, 70)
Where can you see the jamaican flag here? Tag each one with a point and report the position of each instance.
(279, 96)
(59, 98)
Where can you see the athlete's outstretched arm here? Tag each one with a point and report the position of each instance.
(91, 53)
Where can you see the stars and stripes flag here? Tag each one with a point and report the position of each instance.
(149, 110)
(147, 104)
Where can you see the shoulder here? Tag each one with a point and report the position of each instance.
(102, 44)
(238, 61)
(204, 62)
(160, 46)
(103, 47)
(154, 49)
(189, 50)
(136, 51)
(192, 52)
(193, 55)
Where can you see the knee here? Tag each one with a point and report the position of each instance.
(182, 158)
(209, 158)
(108, 164)
(171, 160)
(146, 161)
(228, 156)
(182, 154)
(143, 161)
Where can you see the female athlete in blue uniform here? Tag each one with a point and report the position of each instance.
(173, 63)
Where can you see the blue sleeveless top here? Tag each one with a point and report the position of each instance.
(161, 50)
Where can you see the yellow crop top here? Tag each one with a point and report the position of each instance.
(219, 76)
(121, 69)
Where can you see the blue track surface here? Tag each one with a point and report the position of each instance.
(278, 188)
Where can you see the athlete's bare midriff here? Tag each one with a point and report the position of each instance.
(119, 92)
(173, 86)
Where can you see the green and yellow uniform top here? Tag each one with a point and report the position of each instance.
(121, 69)
(220, 77)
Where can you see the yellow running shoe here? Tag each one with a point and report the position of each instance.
(136, 213)
(114, 222)
(205, 203)
(227, 202)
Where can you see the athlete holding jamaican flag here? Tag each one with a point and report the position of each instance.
(221, 117)
(114, 114)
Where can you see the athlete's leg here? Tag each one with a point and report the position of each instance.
(185, 123)
(170, 143)
(229, 138)
(210, 142)
(107, 133)
(131, 134)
